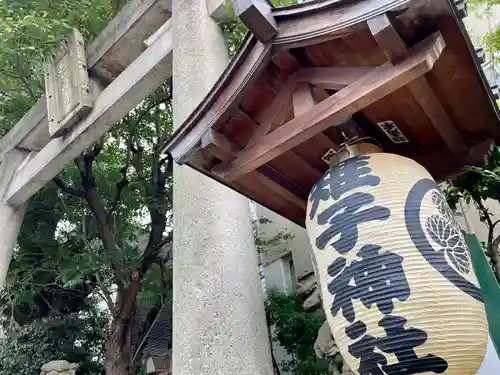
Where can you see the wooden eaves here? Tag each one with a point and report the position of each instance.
(332, 70)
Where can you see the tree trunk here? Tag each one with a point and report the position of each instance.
(119, 350)
(495, 257)
(492, 244)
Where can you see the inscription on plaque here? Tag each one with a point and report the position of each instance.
(67, 85)
(393, 132)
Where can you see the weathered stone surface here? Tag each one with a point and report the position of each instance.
(219, 320)
(56, 366)
(59, 367)
(67, 85)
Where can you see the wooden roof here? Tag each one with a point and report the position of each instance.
(333, 70)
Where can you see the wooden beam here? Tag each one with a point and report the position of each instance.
(395, 49)
(302, 99)
(144, 75)
(227, 151)
(428, 101)
(257, 16)
(275, 113)
(299, 162)
(360, 94)
(288, 63)
(118, 44)
(387, 38)
(333, 78)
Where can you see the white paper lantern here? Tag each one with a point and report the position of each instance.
(398, 286)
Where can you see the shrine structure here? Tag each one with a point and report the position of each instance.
(340, 114)
(309, 79)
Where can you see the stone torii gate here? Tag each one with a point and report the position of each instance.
(219, 320)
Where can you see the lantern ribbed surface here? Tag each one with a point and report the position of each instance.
(397, 281)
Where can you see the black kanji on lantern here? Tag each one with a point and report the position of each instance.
(370, 361)
(343, 218)
(398, 341)
(377, 278)
(346, 176)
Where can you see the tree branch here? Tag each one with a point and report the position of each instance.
(68, 189)
(495, 223)
(106, 295)
(151, 252)
(492, 245)
(96, 150)
(118, 195)
(96, 205)
(24, 79)
(124, 181)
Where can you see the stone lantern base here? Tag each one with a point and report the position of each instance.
(59, 368)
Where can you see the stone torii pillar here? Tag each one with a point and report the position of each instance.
(11, 218)
(219, 325)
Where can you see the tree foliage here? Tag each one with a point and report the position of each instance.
(94, 246)
(75, 337)
(479, 185)
(98, 232)
(482, 8)
(29, 31)
(296, 331)
(482, 184)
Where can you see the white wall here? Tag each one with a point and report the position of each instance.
(279, 274)
(299, 245)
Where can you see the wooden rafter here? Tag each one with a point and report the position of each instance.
(302, 99)
(289, 63)
(332, 78)
(224, 149)
(361, 93)
(300, 163)
(395, 49)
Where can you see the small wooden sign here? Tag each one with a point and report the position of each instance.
(67, 86)
(392, 131)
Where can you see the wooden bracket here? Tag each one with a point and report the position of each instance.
(481, 55)
(227, 151)
(302, 99)
(395, 49)
(330, 78)
(364, 91)
(461, 6)
(67, 86)
(257, 16)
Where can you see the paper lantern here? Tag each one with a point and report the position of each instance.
(397, 282)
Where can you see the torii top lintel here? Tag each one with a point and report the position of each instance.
(401, 71)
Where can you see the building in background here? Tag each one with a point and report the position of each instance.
(289, 261)
(482, 20)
